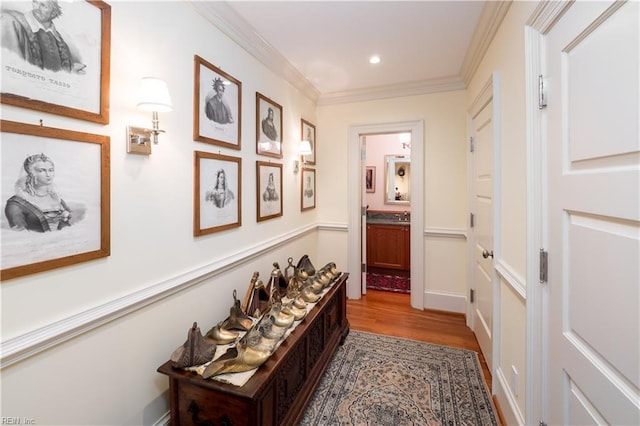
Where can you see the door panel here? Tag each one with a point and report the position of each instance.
(594, 215)
(482, 123)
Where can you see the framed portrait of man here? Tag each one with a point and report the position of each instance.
(217, 105)
(269, 195)
(308, 133)
(217, 193)
(56, 57)
(55, 194)
(268, 127)
(308, 189)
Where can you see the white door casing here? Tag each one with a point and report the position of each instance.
(482, 203)
(592, 164)
(355, 184)
(363, 213)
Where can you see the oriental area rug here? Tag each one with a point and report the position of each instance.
(388, 283)
(382, 380)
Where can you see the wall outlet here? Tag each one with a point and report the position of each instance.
(514, 380)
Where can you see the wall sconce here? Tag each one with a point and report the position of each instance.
(304, 149)
(153, 95)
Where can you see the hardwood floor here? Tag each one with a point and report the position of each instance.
(391, 314)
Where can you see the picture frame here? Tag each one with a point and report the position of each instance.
(217, 99)
(55, 190)
(370, 179)
(269, 190)
(217, 193)
(269, 128)
(308, 189)
(308, 132)
(74, 83)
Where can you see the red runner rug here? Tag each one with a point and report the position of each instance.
(388, 283)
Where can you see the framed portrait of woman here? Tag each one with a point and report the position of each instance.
(308, 133)
(269, 195)
(308, 187)
(64, 70)
(55, 192)
(217, 105)
(268, 127)
(217, 193)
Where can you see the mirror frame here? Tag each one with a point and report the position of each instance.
(390, 162)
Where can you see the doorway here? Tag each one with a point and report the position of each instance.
(357, 210)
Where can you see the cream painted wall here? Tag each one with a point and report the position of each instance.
(445, 166)
(107, 376)
(445, 210)
(506, 56)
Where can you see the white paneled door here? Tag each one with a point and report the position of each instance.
(593, 289)
(482, 211)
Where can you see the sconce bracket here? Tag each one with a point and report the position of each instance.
(139, 140)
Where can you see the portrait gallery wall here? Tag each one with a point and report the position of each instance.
(66, 202)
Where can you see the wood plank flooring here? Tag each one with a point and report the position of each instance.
(391, 314)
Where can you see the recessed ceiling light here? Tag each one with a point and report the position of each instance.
(375, 59)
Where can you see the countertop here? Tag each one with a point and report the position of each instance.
(388, 222)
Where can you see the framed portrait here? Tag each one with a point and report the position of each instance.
(269, 195)
(66, 70)
(370, 178)
(217, 105)
(55, 194)
(268, 127)
(308, 132)
(217, 193)
(308, 187)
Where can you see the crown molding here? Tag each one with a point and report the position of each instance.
(227, 20)
(446, 84)
(546, 14)
(493, 12)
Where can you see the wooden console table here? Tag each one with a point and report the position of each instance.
(278, 393)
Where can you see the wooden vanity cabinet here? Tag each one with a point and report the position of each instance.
(278, 393)
(388, 246)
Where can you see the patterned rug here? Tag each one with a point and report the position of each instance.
(388, 283)
(382, 380)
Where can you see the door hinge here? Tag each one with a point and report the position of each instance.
(363, 268)
(544, 265)
(542, 99)
(363, 210)
(471, 145)
(472, 220)
(472, 295)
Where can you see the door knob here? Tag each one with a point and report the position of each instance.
(487, 254)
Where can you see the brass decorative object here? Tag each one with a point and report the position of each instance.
(247, 358)
(258, 299)
(238, 319)
(305, 264)
(221, 335)
(196, 350)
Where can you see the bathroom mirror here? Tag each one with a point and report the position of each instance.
(397, 178)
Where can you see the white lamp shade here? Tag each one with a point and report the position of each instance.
(153, 95)
(305, 148)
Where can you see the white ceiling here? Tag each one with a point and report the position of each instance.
(425, 46)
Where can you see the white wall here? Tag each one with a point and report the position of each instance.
(506, 56)
(444, 185)
(107, 375)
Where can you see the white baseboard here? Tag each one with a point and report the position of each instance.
(448, 302)
(506, 399)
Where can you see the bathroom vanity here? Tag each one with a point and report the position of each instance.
(389, 241)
